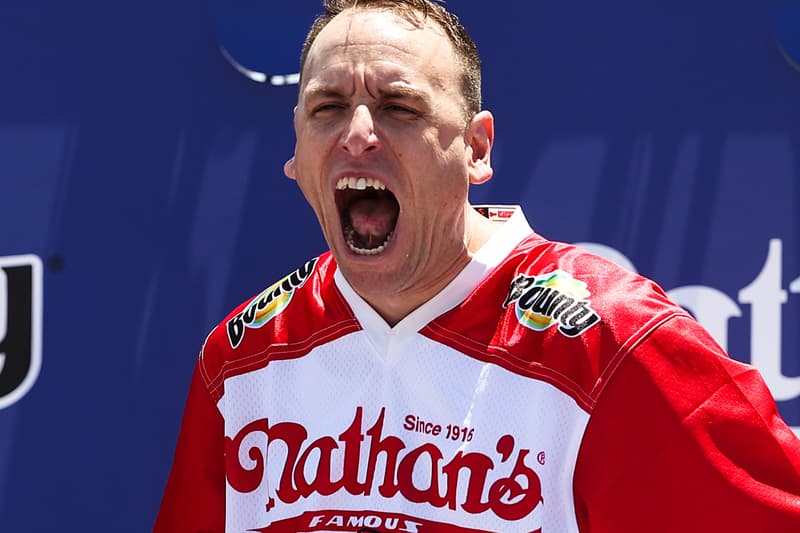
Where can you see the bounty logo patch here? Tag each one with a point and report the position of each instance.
(555, 298)
(268, 304)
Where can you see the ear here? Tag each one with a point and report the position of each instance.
(480, 138)
(289, 168)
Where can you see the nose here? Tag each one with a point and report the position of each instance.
(359, 136)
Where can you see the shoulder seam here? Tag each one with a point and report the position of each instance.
(278, 351)
(201, 362)
(629, 345)
(479, 351)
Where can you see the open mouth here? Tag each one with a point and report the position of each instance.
(368, 212)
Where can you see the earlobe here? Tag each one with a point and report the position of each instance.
(480, 137)
(289, 169)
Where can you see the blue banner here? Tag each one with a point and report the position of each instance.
(142, 198)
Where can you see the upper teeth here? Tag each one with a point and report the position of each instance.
(360, 184)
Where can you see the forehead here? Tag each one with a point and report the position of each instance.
(380, 42)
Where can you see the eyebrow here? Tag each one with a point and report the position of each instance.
(402, 93)
(323, 92)
(405, 93)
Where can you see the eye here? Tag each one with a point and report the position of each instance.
(400, 110)
(327, 107)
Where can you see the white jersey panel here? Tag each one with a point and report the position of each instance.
(421, 431)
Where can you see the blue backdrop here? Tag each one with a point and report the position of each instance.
(142, 197)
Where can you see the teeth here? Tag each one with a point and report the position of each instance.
(365, 251)
(360, 184)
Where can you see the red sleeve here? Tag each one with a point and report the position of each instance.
(194, 498)
(685, 439)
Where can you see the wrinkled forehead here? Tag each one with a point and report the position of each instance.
(370, 38)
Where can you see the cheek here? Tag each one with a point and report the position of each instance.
(306, 166)
(312, 195)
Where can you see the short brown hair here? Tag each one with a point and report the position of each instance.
(416, 12)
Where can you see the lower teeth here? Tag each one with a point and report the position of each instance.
(349, 238)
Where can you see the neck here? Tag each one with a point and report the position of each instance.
(395, 307)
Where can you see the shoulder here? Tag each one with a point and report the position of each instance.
(617, 297)
(293, 314)
(556, 312)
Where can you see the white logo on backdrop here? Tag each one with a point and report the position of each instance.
(20, 326)
(713, 309)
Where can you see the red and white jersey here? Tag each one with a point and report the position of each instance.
(543, 390)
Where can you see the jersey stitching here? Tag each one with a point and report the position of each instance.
(262, 358)
(201, 359)
(479, 351)
(252, 361)
(628, 346)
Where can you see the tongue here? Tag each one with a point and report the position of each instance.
(373, 219)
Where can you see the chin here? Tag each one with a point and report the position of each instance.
(374, 279)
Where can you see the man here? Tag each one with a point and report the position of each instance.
(444, 371)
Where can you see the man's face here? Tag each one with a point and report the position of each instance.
(383, 153)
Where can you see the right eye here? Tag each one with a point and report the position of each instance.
(327, 107)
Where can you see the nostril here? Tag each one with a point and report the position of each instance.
(356, 144)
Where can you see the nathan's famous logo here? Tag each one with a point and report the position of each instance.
(549, 299)
(362, 462)
(20, 326)
(268, 304)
